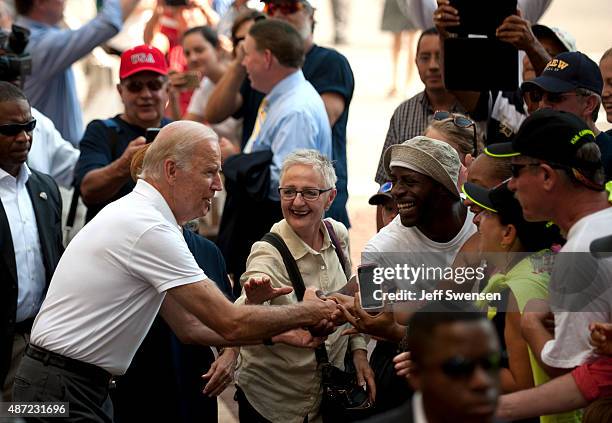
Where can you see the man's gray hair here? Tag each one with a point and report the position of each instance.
(176, 141)
(318, 161)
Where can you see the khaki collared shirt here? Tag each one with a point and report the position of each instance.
(282, 382)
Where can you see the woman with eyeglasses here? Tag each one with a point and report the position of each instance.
(280, 383)
(519, 252)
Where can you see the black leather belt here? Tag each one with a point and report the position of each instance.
(49, 358)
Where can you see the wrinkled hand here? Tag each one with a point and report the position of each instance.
(260, 290)
(365, 374)
(349, 304)
(403, 364)
(381, 325)
(601, 337)
(125, 160)
(300, 338)
(445, 17)
(516, 31)
(221, 373)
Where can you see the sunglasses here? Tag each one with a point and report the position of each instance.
(552, 98)
(12, 129)
(137, 86)
(461, 368)
(460, 122)
(284, 7)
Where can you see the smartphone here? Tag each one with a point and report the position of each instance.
(191, 80)
(151, 134)
(370, 293)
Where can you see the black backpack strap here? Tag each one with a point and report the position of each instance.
(292, 269)
(296, 280)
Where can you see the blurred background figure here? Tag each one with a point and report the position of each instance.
(400, 26)
(341, 11)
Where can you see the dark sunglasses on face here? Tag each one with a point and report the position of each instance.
(552, 98)
(137, 86)
(460, 122)
(461, 367)
(12, 129)
(284, 7)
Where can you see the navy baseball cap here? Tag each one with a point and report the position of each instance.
(566, 72)
(549, 135)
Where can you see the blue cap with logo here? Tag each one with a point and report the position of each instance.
(566, 72)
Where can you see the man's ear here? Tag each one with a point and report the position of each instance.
(509, 235)
(269, 58)
(170, 169)
(551, 177)
(591, 104)
(120, 89)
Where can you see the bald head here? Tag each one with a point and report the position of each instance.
(177, 142)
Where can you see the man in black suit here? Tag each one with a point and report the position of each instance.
(455, 367)
(30, 232)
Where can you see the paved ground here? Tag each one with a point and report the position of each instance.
(371, 109)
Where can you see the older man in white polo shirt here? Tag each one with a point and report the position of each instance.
(115, 274)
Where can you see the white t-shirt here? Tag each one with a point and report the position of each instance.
(571, 347)
(397, 238)
(230, 128)
(111, 281)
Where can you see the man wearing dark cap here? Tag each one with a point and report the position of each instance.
(571, 82)
(384, 199)
(558, 175)
(103, 169)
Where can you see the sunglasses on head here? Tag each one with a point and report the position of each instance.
(137, 86)
(284, 7)
(12, 129)
(460, 122)
(460, 367)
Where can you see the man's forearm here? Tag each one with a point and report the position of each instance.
(102, 184)
(538, 56)
(225, 99)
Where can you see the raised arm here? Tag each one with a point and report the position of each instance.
(226, 99)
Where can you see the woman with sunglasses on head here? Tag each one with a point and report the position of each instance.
(519, 252)
(459, 132)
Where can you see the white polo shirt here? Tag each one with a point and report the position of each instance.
(111, 281)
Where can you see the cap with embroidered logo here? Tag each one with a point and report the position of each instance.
(566, 72)
(142, 58)
(549, 135)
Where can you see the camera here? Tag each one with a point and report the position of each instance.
(14, 63)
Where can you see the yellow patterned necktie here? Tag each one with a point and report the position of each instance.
(261, 117)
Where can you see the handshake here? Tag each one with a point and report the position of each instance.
(260, 290)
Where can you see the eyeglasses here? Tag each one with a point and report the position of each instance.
(284, 7)
(308, 194)
(552, 98)
(137, 86)
(516, 168)
(461, 367)
(460, 122)
(12, 129)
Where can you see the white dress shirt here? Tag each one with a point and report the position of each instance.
(50, 153)
(26, 243)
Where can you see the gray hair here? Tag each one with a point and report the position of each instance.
(176, 141)
(587, 93)
(318, 161)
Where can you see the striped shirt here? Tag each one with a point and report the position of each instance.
(410, 119)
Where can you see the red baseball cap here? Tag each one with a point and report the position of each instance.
(142, 58)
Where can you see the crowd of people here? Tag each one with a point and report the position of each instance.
(238, 130)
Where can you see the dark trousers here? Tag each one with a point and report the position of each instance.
(246, 412)
(86, 392)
